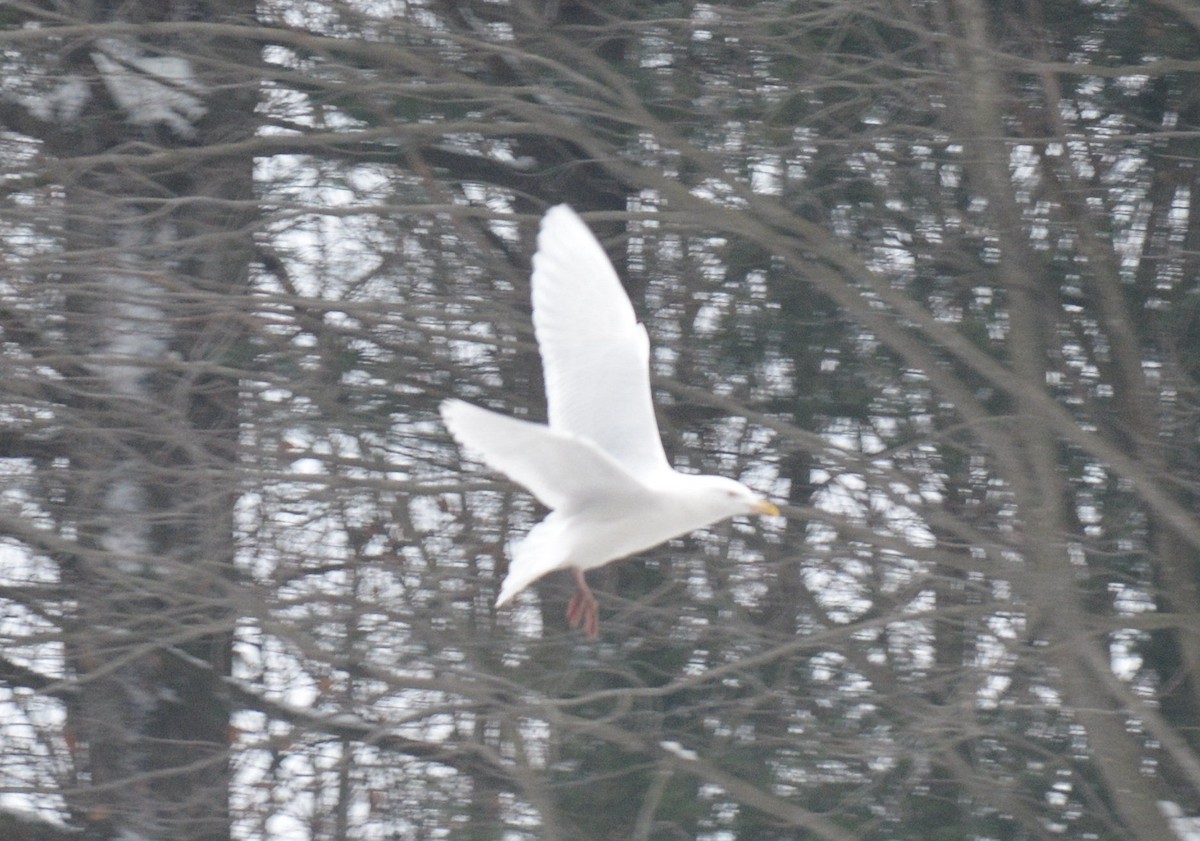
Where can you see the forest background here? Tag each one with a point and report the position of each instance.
(923, 271)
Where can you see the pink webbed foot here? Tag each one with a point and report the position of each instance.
(584, 610)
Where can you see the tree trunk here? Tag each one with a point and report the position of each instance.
(155, 253)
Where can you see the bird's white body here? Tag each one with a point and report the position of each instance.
(599, 463)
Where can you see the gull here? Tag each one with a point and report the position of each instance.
(598, 465)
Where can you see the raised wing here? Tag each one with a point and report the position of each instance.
(595, 354)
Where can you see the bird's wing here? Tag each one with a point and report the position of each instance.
(595, 354)
(541, 551)
(560, 469)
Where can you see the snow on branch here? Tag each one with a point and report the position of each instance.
(150, 89)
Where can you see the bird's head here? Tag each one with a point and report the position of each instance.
(731, 498)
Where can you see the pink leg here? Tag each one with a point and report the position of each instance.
(583, 609)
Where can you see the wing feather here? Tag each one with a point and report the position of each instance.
(541, 551)
(595, 354)
(560, 469)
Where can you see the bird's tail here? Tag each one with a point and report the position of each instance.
(540, 552)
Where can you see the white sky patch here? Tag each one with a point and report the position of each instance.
(766, 176)
(1185, 828)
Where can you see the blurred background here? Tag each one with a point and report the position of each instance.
(924, 272)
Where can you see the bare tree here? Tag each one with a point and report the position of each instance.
(121, 322)
(924, 271)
